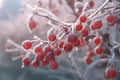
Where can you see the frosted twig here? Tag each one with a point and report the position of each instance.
(13, 43)
(102, 6)
(75, 65)
(36, 10)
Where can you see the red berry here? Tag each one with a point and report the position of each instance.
(97, 40)
(83, 18)
(88, 60)
(78, 27)
(37, 49)
(110, 18)
(77, 42)
(110, 73)
(27, 44)
(44, 62)
(90, 54)
(40, 56)
(53, 65)
(72, 37)
(68, 46)
(57, 51)
(47, 48)
(35, 63)
(50, 56)
(25, 61)
(98, 50)
(52, 37)
(84, 32)
(91, 3)
(98, 24)
(32, 24)
(92, 27)
(103, 56)
(60, 44)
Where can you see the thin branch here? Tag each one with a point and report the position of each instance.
(102, 6)
(36, 10)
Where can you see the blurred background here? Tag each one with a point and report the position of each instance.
(9, 70)
(9, 7)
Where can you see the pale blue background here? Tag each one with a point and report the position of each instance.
(11, 6)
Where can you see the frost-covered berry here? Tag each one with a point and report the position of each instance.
(97, 40)
(26, 61)
(110, 73)
(51, 37)
(98, 50)
(78, 27)
(91, 3)
(110, 18)
(57, 51)
(98, 24)
(27, 44)
(53, 65)
(87, 59)
(83, 18)
(72, 37)
(84, 32)
(37, 49)
(35, 63)
(68, 46)
(32, 24)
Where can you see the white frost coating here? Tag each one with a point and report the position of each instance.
(77, 66)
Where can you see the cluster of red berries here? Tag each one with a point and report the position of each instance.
(46, 54)
(73, 39)
(85, 32)
(43, 56)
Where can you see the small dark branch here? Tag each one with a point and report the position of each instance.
(117, 52)
(89, 37)
(107, 51)
(106, 38)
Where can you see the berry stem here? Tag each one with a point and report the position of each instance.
(16, 45)
(75, 65)
(17, 57)
(42, 41)
(109, 7)
(12, 50)
(84, 8)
